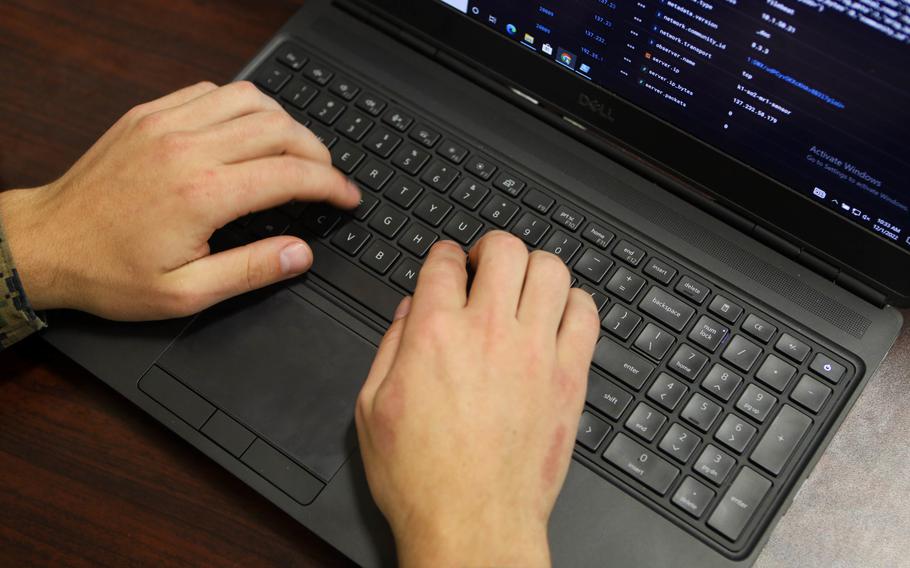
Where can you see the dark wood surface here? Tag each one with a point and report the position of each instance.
(86, 479)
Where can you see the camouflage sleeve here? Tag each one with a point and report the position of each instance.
(17, 319)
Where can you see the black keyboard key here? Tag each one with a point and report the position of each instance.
(654, 342)
(591, 431)
(714, 465)
(721, 382)
(563, 246)
(568, 218)
(708, 333)
(530, 229)
(273, 78)
(600, 300)
(469, 193)
(629, 253)
(406, 275)
(417, 240)
(463, 228)
(324, 135)
(326, 109)
(625, 284)
(693, 497)
(320, 219)
(367, 204)
(499, 211)
(452, 151)
(398, 120)
(735, 433)
(354, 125)
(792, 348)
(269, 224)
(346, 157)
(679, 443)
(775, 373)
(292, 56)
(388, 221)
(440, 176)
(620, 321)
(759, 328)
(481, 166)
(607, 397)
(641, 464)
(687, 362)
(660, 271)
(318, 73)
(630, 368)
(299, 93)
(510, 184)
(739, 503)
(780, 441)
(538, 200)
(432, 209)
(344, 89)
(700, 412)
(828, 368)
(403, 192)
(645, 421)
(692, 289)
(667, 391)
(597, 235)
(725, 309)
(371, 104)
(380, 256)
(666, 308)
(593, 266)
(810, 393)
(411, 159)
(741, 353)
(425, 136)
(756, 403)
(351, 238)
(374, 175)
(382, 142)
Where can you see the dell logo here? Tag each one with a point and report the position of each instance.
(596, 106)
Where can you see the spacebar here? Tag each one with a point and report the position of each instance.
(355, 282)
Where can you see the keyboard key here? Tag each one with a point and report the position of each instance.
(382, 142)
(432, 209)
(591, 431)
(607, 397)
(320, 219)
(708, 333)
(810, 394)
(741, 353)
(687, 362)
(563, 246)
(827, 368)
(775, 373)
(379, 257)
(463, 228)
(629, 253)
(538, 200)
(758, 328)
(654, 342)
(354, 125)
(370, 103)
(403, 192)
(756, 403)
(351, 238)
(721, 382)
(693, 497)
(452, 151)
(440, 176)
(425, 136)
(510, 184)
(499, 211)
(326, 109)
(346, 157)
(700, 412)
(344, 89)
(367, 204)
(568, 218)
(714, 465)
(620, 322)
(625, 284)
(739, 503)
(735, 433)
(619, 362)
(411, 159)
(388, 221)
(417, 240)
(593, 266)
(725, 309)
(641, 464)
(481, 166)
(645, 421)
(660, 271)
(679, 443)
(666, 308)
(269, 224)
(792, 348)
(600, 300)
(273, 78)
(597, 235)
(667, 391)
(779, 442)
(299, 93)
(327, 137)
(292, 56)
(398, 120)
(530, 229)
(318, 73)
(374, 175)
(693, 290)
(469, 193)
(406, 275)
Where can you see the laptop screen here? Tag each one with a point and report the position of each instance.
(813, 93)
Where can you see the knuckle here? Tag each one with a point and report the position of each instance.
(150, 123)
(246, 91)
(173, 144)
(206, 85)
(550, 264)
(181, 300)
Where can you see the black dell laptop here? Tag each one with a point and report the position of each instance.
(728, 180)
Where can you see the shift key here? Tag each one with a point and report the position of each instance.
(666, 308)
(621, 363)
(641, 463)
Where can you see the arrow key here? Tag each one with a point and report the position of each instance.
(679, 443)
(591, 431)
(667, 391)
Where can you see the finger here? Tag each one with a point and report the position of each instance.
(385, 356)
(443, 280)
(262, 134)
(220, 105)
(175, 99)
(500, 262)
(577, 335)
(268, 182)
(545, 292)
(212, 279)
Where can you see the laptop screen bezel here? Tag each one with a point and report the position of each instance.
(725, 179)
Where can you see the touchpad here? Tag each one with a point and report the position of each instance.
(283, 368)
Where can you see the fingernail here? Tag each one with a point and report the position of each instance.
(403, 309)
(295, 258)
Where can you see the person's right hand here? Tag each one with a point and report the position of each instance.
(468, 417)
(124, 233)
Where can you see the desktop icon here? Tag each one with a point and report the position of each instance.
(584, 68)
(529, 39)
(492, 19)
(547, 48)
(567, 58)
(819, 193)
(511, 29)
(844, 206)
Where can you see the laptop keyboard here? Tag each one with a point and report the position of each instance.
(698, 403)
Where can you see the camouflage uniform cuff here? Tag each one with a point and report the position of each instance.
(17, 318)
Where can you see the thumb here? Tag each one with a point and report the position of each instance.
(385, 356)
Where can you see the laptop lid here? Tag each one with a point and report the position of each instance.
(791, 113)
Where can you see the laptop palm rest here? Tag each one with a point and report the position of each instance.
(281, 367)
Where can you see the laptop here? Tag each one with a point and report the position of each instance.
(729, 182)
